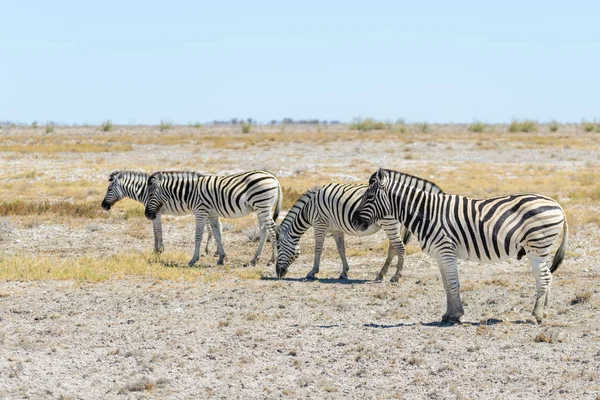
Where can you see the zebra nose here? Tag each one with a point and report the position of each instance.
(151, 215)
(106, 205)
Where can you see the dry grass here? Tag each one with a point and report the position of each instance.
(63, 209)
(122, 266)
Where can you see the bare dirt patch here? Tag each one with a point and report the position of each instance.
(222, 332)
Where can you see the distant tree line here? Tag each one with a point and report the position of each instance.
(240, 121)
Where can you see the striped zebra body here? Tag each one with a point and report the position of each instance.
(210, 197)
(329, 209)
(134, 185)
(450, 227)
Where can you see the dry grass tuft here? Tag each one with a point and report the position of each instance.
(582, 298)
(543, 337)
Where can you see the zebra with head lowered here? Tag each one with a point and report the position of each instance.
(450, 227)
(134, 185)
(210, 197)
(329, 209)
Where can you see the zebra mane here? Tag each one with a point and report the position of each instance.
(410, 180)
(297, 208)
(177, 174)
(130, 173)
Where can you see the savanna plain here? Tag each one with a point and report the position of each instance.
(87, 311)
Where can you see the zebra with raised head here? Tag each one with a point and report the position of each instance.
(450, 227)
(329, 209)
(210, 197)
(134, 185)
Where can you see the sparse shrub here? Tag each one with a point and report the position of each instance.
(523, 126)
(34, 125)
(107, 125)
(368, 124)
(196, 125)
(246, 127)
(590, 126)
(165, 125)
(553, 126)
(423, 127)
(49, 128)
(477, 127)
(582, 298)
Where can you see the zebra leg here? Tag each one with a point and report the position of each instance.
(261, 242)
(200, 222)
(208, 239)
(158, 241)
(543, 281)
(449, 269)
(319, 231)
(215, 224)
(267, 226)
(341, 247)
(392, 229)
(386, 264)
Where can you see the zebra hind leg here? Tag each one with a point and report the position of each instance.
(216, 229)
(386, 264)
(543, 281)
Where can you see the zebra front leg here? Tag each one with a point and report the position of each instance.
(449, 270)
(396, 246)
(200, 222)
(319, 231)
(267, 227)
(543, 281)
(386, 264)
(215, 224)
(341, 247)
(157, 229)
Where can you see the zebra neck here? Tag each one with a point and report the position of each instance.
(412, 209)
(295, 225)
(136, 189)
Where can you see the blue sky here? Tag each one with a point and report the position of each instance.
(188, 61)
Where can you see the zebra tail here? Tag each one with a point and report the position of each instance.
(278, 205)
(560, 253)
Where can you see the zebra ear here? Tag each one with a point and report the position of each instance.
(382, 177)
(114, 175)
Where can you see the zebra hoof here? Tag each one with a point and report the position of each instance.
(395, 278)
(343, 277)
(310, 277)
(192, 262)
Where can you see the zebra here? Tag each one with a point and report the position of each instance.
(450, 227)
(210, 197)
(134, 185)
(329, 209)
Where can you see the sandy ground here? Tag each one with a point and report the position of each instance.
(268, 338)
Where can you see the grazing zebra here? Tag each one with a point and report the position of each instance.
(449, 227)
(134, 185)
(209, 196)
(329, 209)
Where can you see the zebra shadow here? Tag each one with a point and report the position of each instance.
(487, 322)
(327, 281)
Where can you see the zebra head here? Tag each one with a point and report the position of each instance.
(375, 203)
(288, 250)
(114, 192)
(156, 195)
